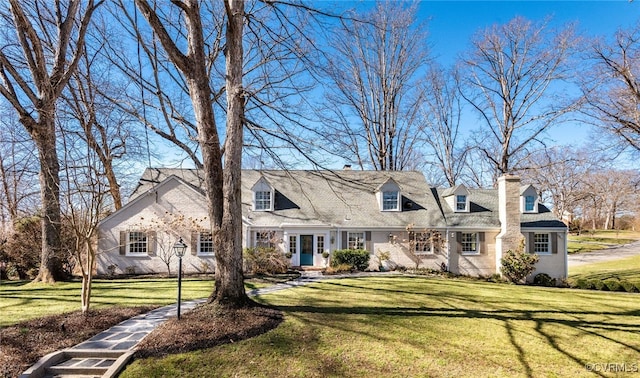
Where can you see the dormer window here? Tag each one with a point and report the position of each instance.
(529, 203)
(390, 200)
(528, 199)
(389, 196)
(457, 198)
(263, 195)
(263, 201)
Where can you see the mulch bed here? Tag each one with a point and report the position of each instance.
(207, 326)
(23, 344)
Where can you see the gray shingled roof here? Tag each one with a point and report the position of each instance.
(341, 198)
(484, 213)
(347, 198)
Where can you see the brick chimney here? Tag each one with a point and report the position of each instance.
(510, 236)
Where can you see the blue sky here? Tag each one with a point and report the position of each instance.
(451, 24)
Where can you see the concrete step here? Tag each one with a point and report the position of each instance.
(77, 363)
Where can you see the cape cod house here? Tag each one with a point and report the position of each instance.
(391, 214)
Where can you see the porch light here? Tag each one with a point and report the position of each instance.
(179, 249)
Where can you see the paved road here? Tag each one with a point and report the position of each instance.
(609, 254)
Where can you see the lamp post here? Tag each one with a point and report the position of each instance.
(179, 248)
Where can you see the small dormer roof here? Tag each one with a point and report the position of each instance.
(262, 184)
(528, 189)
(390, 183)
(458, 189)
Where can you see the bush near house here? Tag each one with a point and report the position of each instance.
(357, 258)
(516, 265)
(264, 260)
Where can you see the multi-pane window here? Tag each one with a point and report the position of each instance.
(541, 243)
(461, 203)
(320, 243)
(469, 241)
(529, 203)
(293, 243)
(265, 239)
(137, 242)
(205, 243)
(423, 242)
(263, 200)
(355, 240)
(390, 200)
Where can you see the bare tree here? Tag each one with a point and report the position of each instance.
(167, 228)
(510, 75)
(84, 189)
(560, 175)
(222, 186)
(441, 112)
(609, 192)
(611, 88)
(18, 177)
(34, 72)
(372, 95)
(102, 126)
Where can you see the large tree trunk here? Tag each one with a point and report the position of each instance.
(229, 288)
(44, 136)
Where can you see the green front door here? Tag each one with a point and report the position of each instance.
(306, 250)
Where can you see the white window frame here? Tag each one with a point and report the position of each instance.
(541, 243)
(265, 238)
(319, 244)
(357, 241)
(387, 200)
(464, 242)
(423, 239)
(130, 242)
(293, 244)
(262, 202)
(203, 242)
(533, 204)
(464, 201)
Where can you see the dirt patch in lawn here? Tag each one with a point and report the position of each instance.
(207, 326)
(23, 344)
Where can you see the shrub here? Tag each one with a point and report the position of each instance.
(629, 287)
(516, 265)
(340, 268)
(583, 283)
(613, 284)
(264, 260)
(543, 279)
(356, 258)
(599, 285)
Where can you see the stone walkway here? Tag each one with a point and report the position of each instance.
(105, 354)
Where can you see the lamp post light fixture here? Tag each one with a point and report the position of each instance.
(179, 249)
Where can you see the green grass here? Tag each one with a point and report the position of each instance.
(407, 327)
(590, 241)
(624, 269)
(23, 300)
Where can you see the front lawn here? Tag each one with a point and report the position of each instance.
(589, 241)
(418, 326)
(20, 300)
(625, 269)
